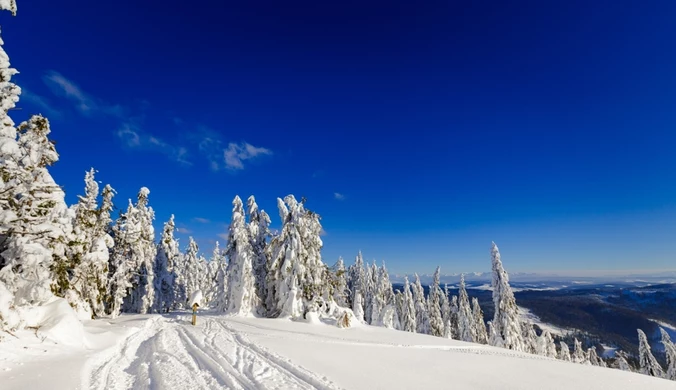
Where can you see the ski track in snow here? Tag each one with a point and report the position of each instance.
(169, 353)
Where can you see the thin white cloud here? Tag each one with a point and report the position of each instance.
(201, 220)
(183, 230)
(338, 196)
(232, 157)
(84, 103)
(40, 102)
(236, 154)
(223, 236)
(134, 138)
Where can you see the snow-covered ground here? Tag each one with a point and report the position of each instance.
(166, 352)
(528, 316)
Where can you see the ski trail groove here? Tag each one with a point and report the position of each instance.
(172, 354)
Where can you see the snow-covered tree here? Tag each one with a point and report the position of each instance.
(295, 258)
(545, 345)
(36, 224)
(242, 295)
(594, 358)
(648, 365)
(479, 325)
(191, 270)
(358, 306)
(383, 295)
(670, 351)
(340, 292)
(564, 352)
(446, 312)
(454, 318)
(530, 338)
(421, 313)
(434, 306)
(357, 276)
(466, 322)
(578, 353)
(89, 247)
(221, 289)
(259, 232)
(133, 257)
(408, 316)
(506, 318)
(166, 280)
(621, 361)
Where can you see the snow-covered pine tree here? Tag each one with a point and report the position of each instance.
(506, 318)
(242, 295)
(466, 323)
(564, 352)
(670, 351)
(143, 254)
(621, 361)
(434, 305)
(594, 358)
(36, 225)
(358, 306)
(545, 345)
(579, 356)
(530, 338)
(408, 316)
(480, 325)
(371, 311)
(259, 231)
(121, 269)
(295, 258)
(191, 269)
(454, 317)
(384, 297)
(340, 293)
(168, 253)
(221, 288)
(357, 276)
(89, 248)
(446, 313)
(647, 362)
(421, 313)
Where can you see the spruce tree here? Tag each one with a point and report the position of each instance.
(621, 361)
(506, 319)
(341, 293)
(648, 365)
(480, 326)
(242, 295)
(409, 321)
(670, 351)
(434, 306)
(466, 322)
(564, 352)
(421, 313)
(259, 233)
(168, 254)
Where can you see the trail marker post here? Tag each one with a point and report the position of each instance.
(194, 313)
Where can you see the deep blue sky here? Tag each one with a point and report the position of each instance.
(442, 125)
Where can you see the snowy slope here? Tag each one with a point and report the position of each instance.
(166, 352)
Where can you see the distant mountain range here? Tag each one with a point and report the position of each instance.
(475, 278)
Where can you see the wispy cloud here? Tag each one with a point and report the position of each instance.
(236, 154)
(338, 196)
(232, 157)
(183, 230)
(40, 102)
(134, 138)
(84, 102)
(201, 220)
(223, 236)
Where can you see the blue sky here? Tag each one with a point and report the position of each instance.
(420, 132)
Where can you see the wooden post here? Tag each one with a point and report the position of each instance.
(194, 313)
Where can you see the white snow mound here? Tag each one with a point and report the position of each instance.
(57, 322)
